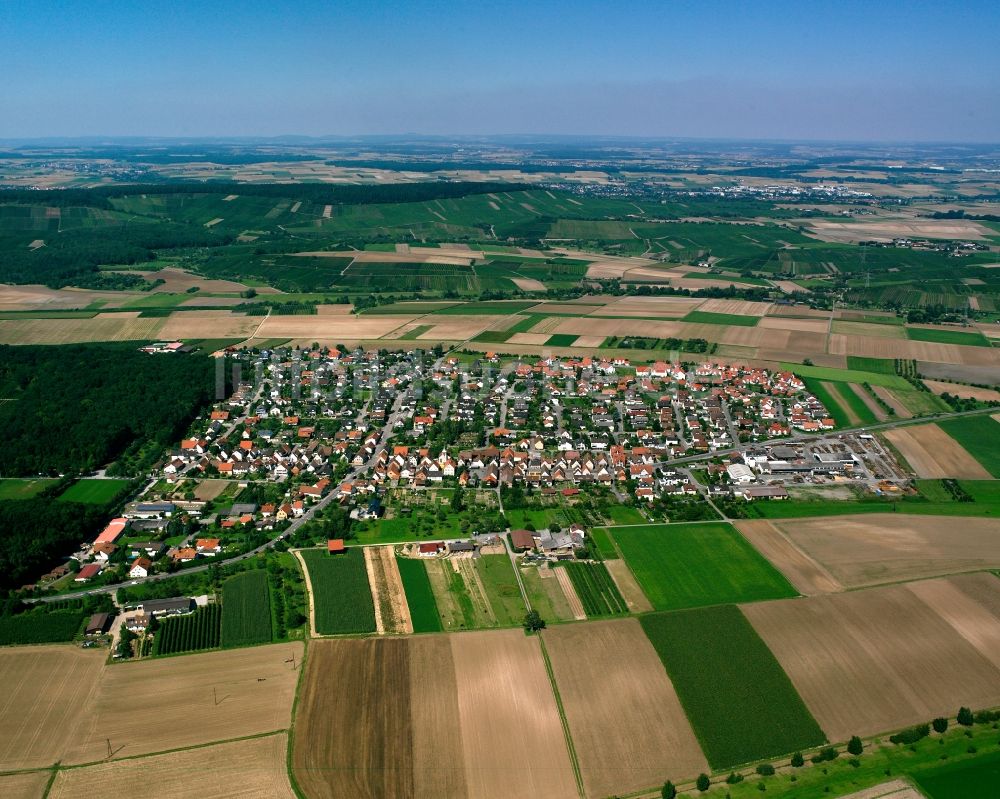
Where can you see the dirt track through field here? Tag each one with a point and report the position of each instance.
(254, 769)
(877, 411)
(868, 661)
(46, 696)
(392, 615)
(575, 605)
(931, 452)
(627, 724)
(902, 412)
(805, 574)
(512, 738)
(628, 586)
(873, 549)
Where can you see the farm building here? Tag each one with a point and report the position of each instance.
(739, 473)
(431, 549)
(140, 567)
(764, 492)
(88, 572)
(522, 540)
(153, 510)
(99, 624)
(335, 546)
(167, 607)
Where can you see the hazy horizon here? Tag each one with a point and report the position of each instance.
(830, 71)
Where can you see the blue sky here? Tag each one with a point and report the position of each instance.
(903, 70)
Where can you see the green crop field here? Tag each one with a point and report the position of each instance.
(688, 565)
(341, 593)
(419, 596)
(189, 633)
(14, 488)
(602, 541)
(493, 336)
(980, 435)
(246, 609)
(416, 333)
(847, 375)
(975, 779)
(883, 366)
(561, 340)
(708, 317)
(94, 492)
(740, 702)
(974, 339)
(596, 589)
(37, 627)
(839, 407)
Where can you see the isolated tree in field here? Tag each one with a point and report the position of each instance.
(854, 746)
(965, 717)
(668, 791)
(533, 622)
(703, 783)
(765, 769)
(797, 760)
(940, 724)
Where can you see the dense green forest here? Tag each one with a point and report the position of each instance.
(324, 193)
(37, 534)
(75, 408)
(73, 257)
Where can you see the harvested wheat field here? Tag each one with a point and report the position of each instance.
(458, 328)
(253, 768)
(805, 574)
(588, 341)
(798, 325)
(868, 347)
(971, 392)
(969, 604)
(869, 661)
(738, 307)
(177, 281)
(253, 693)
(889, 229)
(209, 324)
(528, 284)
(628, 586)
(207, 490)
(392, 614)
(872, 329)
(931, 452)
(396, 704)
(649, 306)
(878, 548)
(29, 785)
(47, 690)
(103, 327)
(535, 339)
(512, 738)
(627, 724)
(329, 326)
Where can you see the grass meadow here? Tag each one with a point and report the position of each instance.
(689, 565)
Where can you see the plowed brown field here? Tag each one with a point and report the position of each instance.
(626, 721)
(808, 576)
(879, 548)
(933, 453)
(868, 661)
